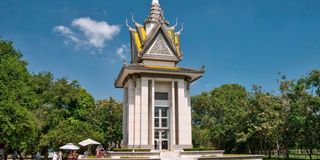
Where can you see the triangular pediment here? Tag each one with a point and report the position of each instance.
(160, 47)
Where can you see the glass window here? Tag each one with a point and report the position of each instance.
(161, 96)
(164, 122)
(156, 113)
(164, 135)
(156, 135)
(164, 112)
(156, 122)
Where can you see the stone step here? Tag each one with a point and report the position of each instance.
(172, 156)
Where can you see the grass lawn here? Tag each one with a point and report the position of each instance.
(294, 157)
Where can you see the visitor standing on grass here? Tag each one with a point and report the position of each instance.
(15, 155)
(38, 156)
(60, 155)
(55, 156)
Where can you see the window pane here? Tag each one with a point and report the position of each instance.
(156, 135)
(161, 96)
(164, 122)
(156, 122)
(156, 113)
(164, 112)
(164, 135)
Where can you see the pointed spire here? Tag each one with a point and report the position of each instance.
(156, 13)
(154, 2)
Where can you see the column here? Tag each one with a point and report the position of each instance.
(185, 130)
(131, 111)
(152, 111)
(124, 116)
(172, 119)
(144, 112)
(137, 117)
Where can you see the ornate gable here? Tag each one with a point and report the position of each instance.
(160, 47)
(155, 40)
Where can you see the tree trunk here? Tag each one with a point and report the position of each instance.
(45, 153)
(261, 148)
(287, 153)
(310, 153)
(5, 155)
(269, 153)
(20, 156)
(278, 149)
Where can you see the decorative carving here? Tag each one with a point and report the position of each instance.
(160, 47)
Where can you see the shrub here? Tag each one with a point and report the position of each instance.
(199, 149)
(130, 150)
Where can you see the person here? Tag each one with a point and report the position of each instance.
(38, 156)
(97, 151)
(60, 155)
(74, 155)
(70, 155)
(64, 156)
(101, 152)
(15, 155)
(155, 145)
(55, 156)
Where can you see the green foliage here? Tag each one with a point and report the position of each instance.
(200, 149)
(70, 131)
(218, 114)
(17, 125)
(122, 150)
(233, 119)
(108, 117)
(38, 111)
(303, 100)
(130, 150)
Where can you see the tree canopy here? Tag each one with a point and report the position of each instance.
(39, 111)
(240, 121)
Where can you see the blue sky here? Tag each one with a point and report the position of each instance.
(239, 41)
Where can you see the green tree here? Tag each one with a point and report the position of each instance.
(108, 117)
(70, 131)
(302, 102)
(221, 112)
(261, 123)
(58, 100)
(17, 125)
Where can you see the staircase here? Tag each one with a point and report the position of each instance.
(166, 155)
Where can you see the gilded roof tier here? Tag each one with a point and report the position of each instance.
(141, 38)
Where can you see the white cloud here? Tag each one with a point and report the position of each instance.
(122, 52)
(63, 29)
(70, 35)
(97, 33)
(93, 34)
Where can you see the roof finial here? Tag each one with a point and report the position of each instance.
(136, 23)
(129, 27)
(155, 2)
(174, 26)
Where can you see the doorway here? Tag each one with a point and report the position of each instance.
(161, 140)
(161, 124)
